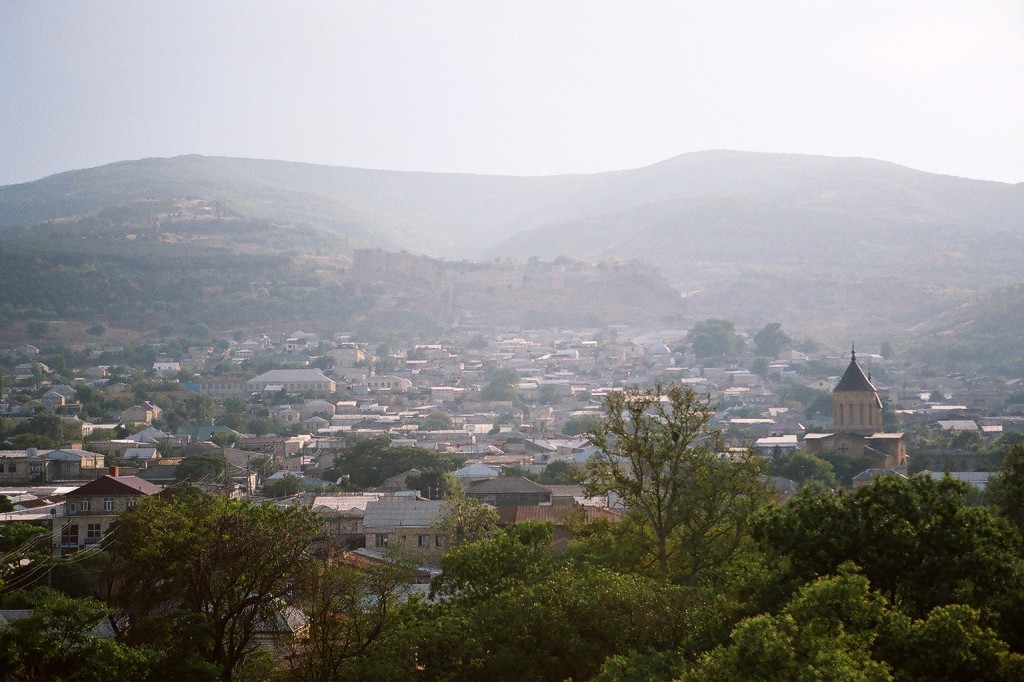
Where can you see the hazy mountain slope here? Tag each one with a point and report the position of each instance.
(424, 212)
(840, 247)
(735, 205)
(985, 331)
(467, 216)
(843, 247)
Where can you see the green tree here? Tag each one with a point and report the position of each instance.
(283, 487)
(501, 385)
(57, 642)
(348, 610)
(463, 519)
(760, 367)
(516, 555)
(918, 541)
(263, 465)
(559, 473)
(22, 548)
(368, 462)
(581, 424)
(438, 420)
(201, 409)
(771, 340)
(826, 632)
(224, 438)
(37, 328)
(660, 454)
(1005, 491)
(49, 426)
(562, 626)
(953, 643)
(234, 405)
(715, 337)
(205, 572)
(837, 628)
(203, 468)
(803, 467)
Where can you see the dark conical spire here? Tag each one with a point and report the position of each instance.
(854, 378)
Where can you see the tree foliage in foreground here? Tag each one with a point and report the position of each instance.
(348, 608)
(836, 628)
(1006, 489)
(918, 541)
(58, 640)
(205, 572)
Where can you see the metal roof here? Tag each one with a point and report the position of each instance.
(402, 512)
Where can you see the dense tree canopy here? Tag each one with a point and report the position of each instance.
(1006, 489)
(836, 628)
(771, 340)
(918, 541)
(57, 640)
(501, 385)
(368, 462)
(206, 572)
(715, 337)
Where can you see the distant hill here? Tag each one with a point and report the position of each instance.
(984, 332)
(840, 248)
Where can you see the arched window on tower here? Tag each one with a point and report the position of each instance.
(862, 414)
(841, 406)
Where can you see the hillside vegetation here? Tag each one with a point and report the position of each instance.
(838, 247)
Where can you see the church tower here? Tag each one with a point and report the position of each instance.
(856, 407)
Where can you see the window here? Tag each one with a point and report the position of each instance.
(840, 416)
(84, 505)
(440, 541)
(132, 501)
(93, 534)
(862, 414)
(423, 540)
(108, 504)
(69, 535)
(1, 467)
(71, 508)
(380, 540)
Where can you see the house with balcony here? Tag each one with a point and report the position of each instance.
(91, 509)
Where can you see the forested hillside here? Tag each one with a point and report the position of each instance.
(840, 248)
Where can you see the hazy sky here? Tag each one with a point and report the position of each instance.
(512, 87)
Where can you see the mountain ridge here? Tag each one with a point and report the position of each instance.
(762, 236)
